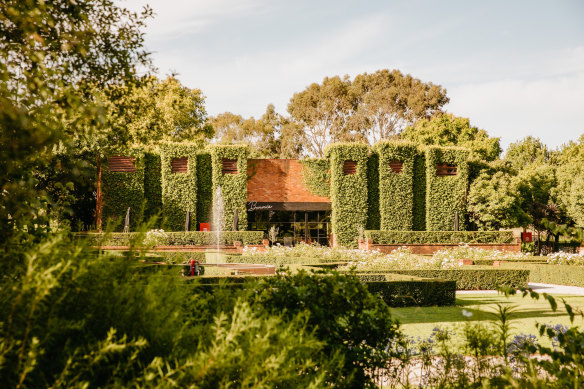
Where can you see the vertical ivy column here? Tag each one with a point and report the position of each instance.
(204, 187)
(396, 184)
(123, 189)
(445, 194)
(152, 184)
(179, 189)
(348, 191)
(373, 218)
(419, 213)
(233, 186)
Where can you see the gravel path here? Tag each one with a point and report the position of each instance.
(540, 288)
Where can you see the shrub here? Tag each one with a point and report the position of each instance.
(195, 238)
(551, 274)
(448, 237)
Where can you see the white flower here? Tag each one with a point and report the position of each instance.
(466, 313)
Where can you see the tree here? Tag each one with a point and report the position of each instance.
(449, 130)
(570, 174)
(323, 111)
(388, 101)
(525, 152)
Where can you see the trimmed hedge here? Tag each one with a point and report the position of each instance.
(152, 185)
(373, 217)
(570, 275)
(396, 190)
(348, 191)
(445, 194)
(471, 278)
(233, 186)
(316, 176)
(419, 212)
(437, 237)
(204, 187)
(122, 190)
(195, 238)
(490, 262)
(179, 190)
(411, 291)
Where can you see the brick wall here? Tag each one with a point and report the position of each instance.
(278, 180)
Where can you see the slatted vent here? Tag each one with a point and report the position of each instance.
(229, 166)
(350, 167)
(446, 170)
(179, 165)
(119, 163)
(396, 166)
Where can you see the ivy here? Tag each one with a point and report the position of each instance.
(316, 175)
(233, 186)
(373, 217)
(204, 187)
(419, 212)
(179, 190)
(396, 189)
(445, 195)
(348, 191)
(152, 185)
(123, 190)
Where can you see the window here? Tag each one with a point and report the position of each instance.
(349, 167)
(396, 166)
(229, 166)
(119, 163)
(446, 170)
(179, 165)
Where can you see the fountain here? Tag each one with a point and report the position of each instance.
(127, 221)
(218, 214)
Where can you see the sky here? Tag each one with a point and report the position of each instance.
(514, 68)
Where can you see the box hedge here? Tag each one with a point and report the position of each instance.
(570, 275)
(471, 278)
(194, 238)
(447, 237)
(405, 291)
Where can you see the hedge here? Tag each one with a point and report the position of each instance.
(177, 238)
(233, 186)
(123, 190)
(373, 217)
(204, 187)
(179, 190)
(348, 191)
(396, 190)
(571, 275)
(403, 291)
(472, 278)
(445, 194)
(437, 237)
(316, 176)
(152, 185)
(419, 212)
(490, 262)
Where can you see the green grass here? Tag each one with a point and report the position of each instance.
(420, 321)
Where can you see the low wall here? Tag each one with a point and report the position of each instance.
(432, 248)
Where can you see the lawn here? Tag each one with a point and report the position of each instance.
(420, 321)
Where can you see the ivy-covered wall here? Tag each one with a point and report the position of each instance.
(152, 185)
(373, 217)
(445, 194)
(233, 186)
(179, 190)
(122, 190)
(419, 212)
(316, 175)
(396, 189)
(204, 187)
(348, 191)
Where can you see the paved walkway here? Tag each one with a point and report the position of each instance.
(540, 288)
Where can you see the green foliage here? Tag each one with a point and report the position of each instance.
(570, 174)
(348, 191)
(448, 237)
(315, 172)
(350, 320)
(534, 186)
(123, 190)
(396, 190)
(449, 130)
(179, 190)
(474, 278)
(373, 216)
(551, 274)
(419, 212)
(152, 184)
(525, 152)
(195, 238)
(233, 186)
(204, 187)
(445, 194)
(414, 291)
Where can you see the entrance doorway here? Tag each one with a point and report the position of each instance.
(293, 226)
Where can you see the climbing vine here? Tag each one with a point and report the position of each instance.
(315, 172)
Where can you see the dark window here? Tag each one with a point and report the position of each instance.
(349, 167)
(179, 165)
(396, 166)
(229, 166)
(119, 163)
(446, 170)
